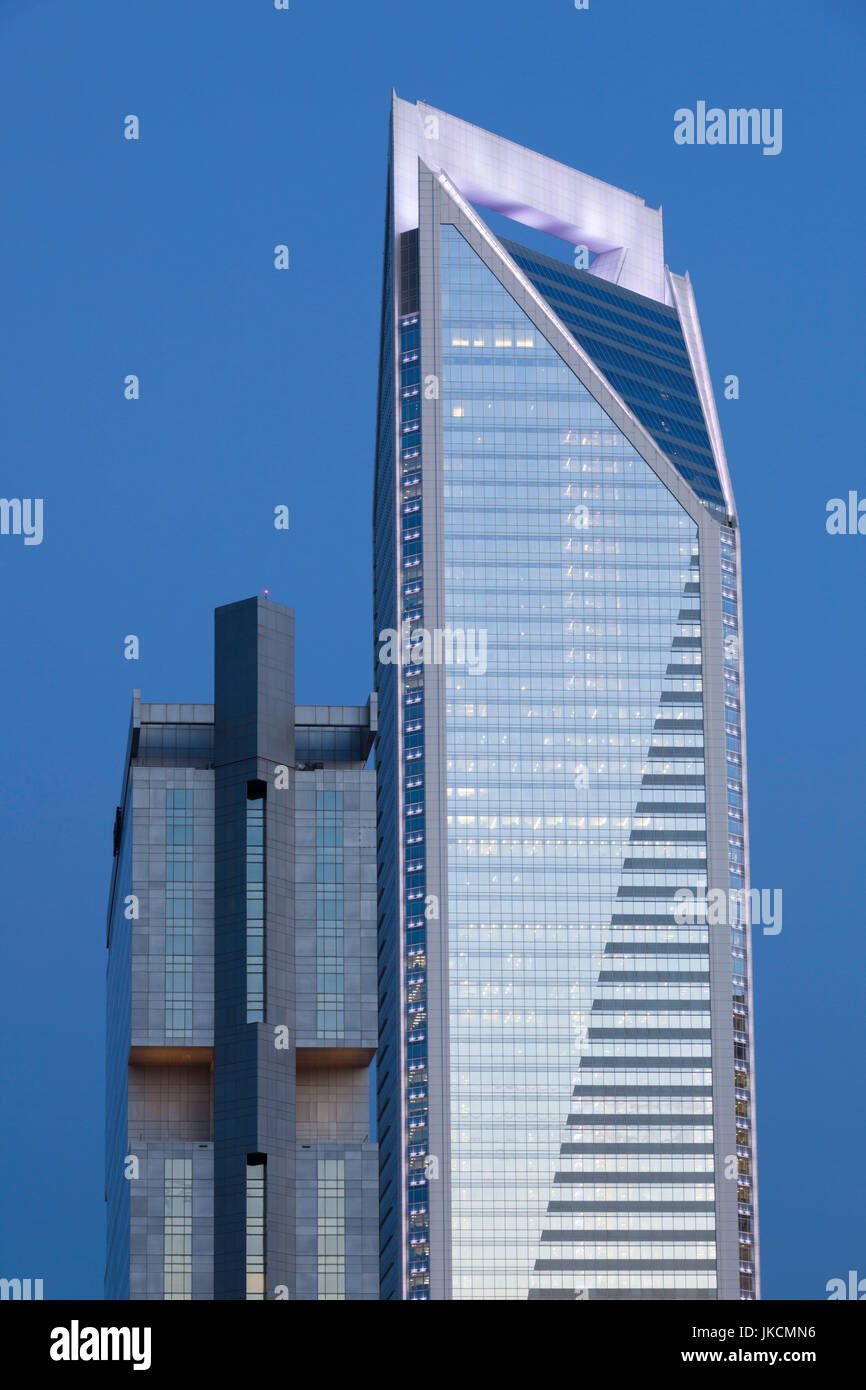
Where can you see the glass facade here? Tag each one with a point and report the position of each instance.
(564, 546)
(255, 866)
(565, 1060)
(174, 745)
(178, 912)
(256, 1227)
(331, 1228)
(330, 999)
(177, 1232)
(639, 346)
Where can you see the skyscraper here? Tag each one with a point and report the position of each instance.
(242, 988)
(566, 1100)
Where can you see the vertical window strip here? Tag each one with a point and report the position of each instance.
(178, 912)
(256, 910)
(331, 1228)
(177, 1229)
(417, 1254)
(739, 940)
(255, 1234)
(330, 1000)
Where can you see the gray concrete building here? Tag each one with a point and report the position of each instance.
(241, 988)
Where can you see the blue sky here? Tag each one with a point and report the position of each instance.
(155, 257)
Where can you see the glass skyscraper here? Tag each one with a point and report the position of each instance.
(565, 1069)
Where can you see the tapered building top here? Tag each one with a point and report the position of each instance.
(623, 237)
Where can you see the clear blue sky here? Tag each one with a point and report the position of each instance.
(258, 388)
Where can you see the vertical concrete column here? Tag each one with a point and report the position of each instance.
(254, 1061)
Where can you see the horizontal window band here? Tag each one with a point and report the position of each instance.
(603, 1149)
(672, 779)
(679, 1006)
(649, 1121)
(631, 1237)
(640, 1175)
(647, 919)
(551, 1296)
(624, 1267)
(657, 948)
(648, 1064)
(647, 837)
(651, 977)
(666, 1293)
(639, 864)
(614, 1090)
(652, 890)
(648, 1035)
(667, 751)
(630, 1206)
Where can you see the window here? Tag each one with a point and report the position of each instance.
(255, 1233)
(177, 1229)
(255, 902)
(330, 1001)
(331, 1228)
(178, 912)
